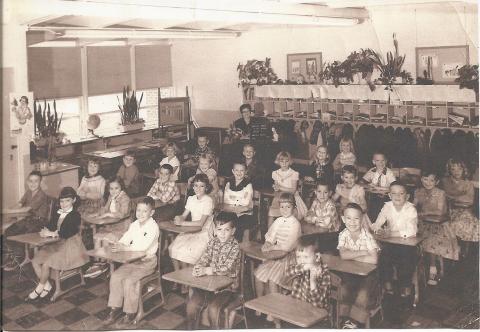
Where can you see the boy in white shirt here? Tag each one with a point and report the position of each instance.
(142, 235)
(401, 218)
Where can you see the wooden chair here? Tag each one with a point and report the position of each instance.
(60, 276)
(237, 304)
(150, 286)
(335, 295)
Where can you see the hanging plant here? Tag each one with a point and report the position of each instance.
(468, 78)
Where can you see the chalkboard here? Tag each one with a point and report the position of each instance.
(173, 111)
(260, 129)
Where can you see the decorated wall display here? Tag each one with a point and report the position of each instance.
(304, 67)
(21, 113)
(441, 63)
(173, 111)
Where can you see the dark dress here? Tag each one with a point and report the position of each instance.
(69, 252)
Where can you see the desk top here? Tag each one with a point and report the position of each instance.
(95, 220)
(336, 263)
(409, 241)
(119, 256)
(433, 219)
(375, 189)
(254, 250)
(235, 209)
(22, 210)
(33, 239)
(169, 226)
(267, 191)
(121, 150)
(312, 229)
(209, 283)
(288, 309)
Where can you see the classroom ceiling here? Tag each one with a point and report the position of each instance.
(119, 22)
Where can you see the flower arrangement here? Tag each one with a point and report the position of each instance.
(334, 72)
(468, 78)
(129, 108)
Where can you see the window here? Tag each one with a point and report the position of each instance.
(70, 108)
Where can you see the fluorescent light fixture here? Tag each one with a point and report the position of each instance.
(143, 34)
(367, 3)
(56, 43)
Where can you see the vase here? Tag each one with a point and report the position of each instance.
(131, 127)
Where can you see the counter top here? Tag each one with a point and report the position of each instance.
(121, 150)
(61, 167)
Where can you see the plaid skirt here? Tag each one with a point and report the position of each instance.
(275, 270)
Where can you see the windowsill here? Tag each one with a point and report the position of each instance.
(81, 140)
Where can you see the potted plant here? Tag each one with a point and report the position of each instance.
(47, 129)
(255, 72)
(129, 111)
(360, 64)
(468, 78)
(391, 70)
(334, 72)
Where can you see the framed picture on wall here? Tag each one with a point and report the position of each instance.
(304, 66)
(441, 63)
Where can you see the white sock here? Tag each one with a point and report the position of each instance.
(38, 290)
(48, 286)
(433, 270)
(40, 287)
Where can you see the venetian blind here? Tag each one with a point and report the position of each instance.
(54, 72)
(153, 66)
(108, 69)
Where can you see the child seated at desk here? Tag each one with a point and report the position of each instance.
(201, 149)
(37, 200)
(91, 189)
(117, 206)
(142, 235)
(255, 172)
(440, 240)
(351, 192)
(130, 174)
(221, 257)
(359, 293)
(310, 275)
(401, 218)
(379, 177)
(239, 194)
(282, 235)
(166, 194)
(187, 248)
(205, 166)
(171, 151)
(67, 253)
(323, 212)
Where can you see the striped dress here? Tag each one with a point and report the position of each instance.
(284, 234)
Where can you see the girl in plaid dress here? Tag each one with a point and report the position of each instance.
(91, 189)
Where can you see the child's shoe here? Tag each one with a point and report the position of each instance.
(113, 315)
(126, 322)
(95, 270)
(388, 288)
(405, 292)
(350, 324)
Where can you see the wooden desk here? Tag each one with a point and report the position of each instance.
(169, 226)
(412, 242)
(409, 241)
(119, 256)
(11, 216)
(33, 240)
(235, 209)
(288, 309)
(253, 251)
(308, 229)
(95, 221)
(434, 219)
(213, 283)
(336, 263)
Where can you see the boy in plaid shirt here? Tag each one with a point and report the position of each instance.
(311, 279)
(222, 257)
(166, 194)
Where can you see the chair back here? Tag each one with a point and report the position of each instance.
(336, 295)
(410, 176)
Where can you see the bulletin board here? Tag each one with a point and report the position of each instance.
(304, 66)
(441, 63)
(173, 111)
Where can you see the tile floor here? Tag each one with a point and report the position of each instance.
(451, 304)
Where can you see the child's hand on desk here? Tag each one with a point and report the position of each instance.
(199, 271)
(275, 187)
(116, 247)
(267, 246)
(382, 232)
(308, 179)
(45, 232)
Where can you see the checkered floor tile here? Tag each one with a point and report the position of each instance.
(85, 308)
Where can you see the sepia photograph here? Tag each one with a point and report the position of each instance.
(256, 164)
